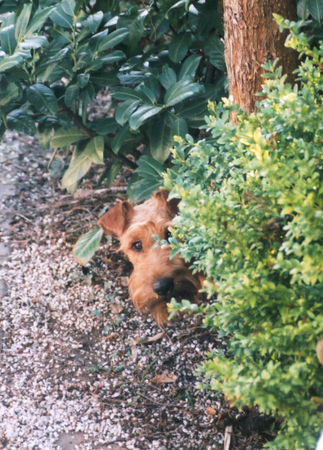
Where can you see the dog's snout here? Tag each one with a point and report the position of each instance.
(164, 285)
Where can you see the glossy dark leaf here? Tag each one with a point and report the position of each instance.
(64, 137)
(143, 113)
(8, 39)
(214, 49)
(8, 94)
(180, 91)
(147, 179)
(179, 127)
(20, 120)
(125, 93)
(189, 66)
(42, 98)
(124, 111)
(63, 14)
(315, 8)
(168, 77)
(179, 47)
(8, 62)
(22, 22)
(81, 163)
(160, 138)
(112, 39)
(120, 138)
(38, 19)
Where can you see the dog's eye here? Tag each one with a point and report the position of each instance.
(137, 246)
(168, 235)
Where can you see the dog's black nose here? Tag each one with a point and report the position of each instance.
(164, 285)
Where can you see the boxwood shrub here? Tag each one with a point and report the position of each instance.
(251, 220)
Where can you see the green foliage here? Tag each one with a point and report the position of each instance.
(251, 220)
(160, 60)
(148, 178)
(87, 245)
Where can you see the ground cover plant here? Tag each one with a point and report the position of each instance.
(159, 60)
(251, 220)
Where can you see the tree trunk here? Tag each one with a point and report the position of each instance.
(252, 38)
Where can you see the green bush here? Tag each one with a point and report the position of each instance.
(159, 60)
(251, 219)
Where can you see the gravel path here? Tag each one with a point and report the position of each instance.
(79, 368)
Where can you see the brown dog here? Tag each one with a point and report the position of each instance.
(155, 278)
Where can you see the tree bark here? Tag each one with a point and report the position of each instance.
(252, 38)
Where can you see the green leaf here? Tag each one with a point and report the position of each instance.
(72, 97)
(10, 61)
(68, 7)
(20, 120)
(193, 109)
(59, 56)
(112, 39)
(160, 138)
(8, 40)
(214, 49)
(79, 166)
(148, 177)
(95, 149)
(111, 172)
(168, 77)
(9, 18)
(124, 93)
(83, 80)
(96, 39)
(149, 167)
(147, 92)
(87, 245)
(82, 161)
(132, 78)
(189, 67)
(63, 14)
(33, 42)
(104, 60)
(150, 88)
(104, 126)
(67, 136)
(179, 127)
(123, 111)
(180, 91)
(38, 19)
(9, 94)
(22, 22)
(119, 139)
(92, 23)
(42, 98)
(142, 114)
(179, 47)
(179, 4)
(315, 8)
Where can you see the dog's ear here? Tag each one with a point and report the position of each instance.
(116, 220)
(161, 196)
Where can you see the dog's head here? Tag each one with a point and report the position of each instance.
(117, 220)
(155, 278)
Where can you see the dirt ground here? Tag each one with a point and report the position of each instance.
(79, 367)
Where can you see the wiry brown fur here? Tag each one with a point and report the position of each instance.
(152, 264)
